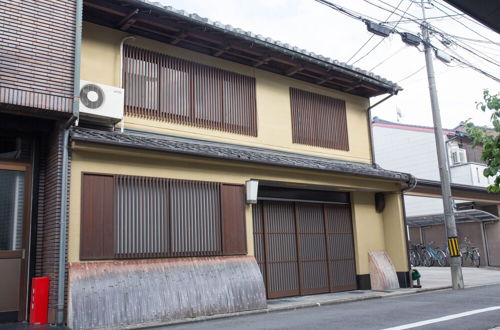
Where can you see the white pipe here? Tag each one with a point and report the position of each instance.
(122, 42)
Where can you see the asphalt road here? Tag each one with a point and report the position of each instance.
(383, 313)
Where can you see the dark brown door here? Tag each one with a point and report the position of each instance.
(14, 229)
(304, 248)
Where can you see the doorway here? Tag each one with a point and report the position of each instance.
(15, 201)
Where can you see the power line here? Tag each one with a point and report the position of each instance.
(429, 18)
(371, 37)
(468, 28)
(393, 29)
(364, 18)
(465, 46)
(452, 9)
(411, 74)
(387, 58)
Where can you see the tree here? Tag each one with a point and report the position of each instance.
(489, 139)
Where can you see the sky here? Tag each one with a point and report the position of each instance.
(317, 28)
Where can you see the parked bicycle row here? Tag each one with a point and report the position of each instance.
(426, 255)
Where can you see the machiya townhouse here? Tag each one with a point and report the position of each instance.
(200, 169)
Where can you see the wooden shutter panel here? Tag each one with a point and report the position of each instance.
(96, 237)
(234, 240)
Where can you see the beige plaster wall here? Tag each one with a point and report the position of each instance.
(101, 63)
(394, 231)
(368, 225)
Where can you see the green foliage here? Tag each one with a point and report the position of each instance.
(488, 139)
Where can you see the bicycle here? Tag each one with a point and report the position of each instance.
(416, 254)
(437, 255)
(468, 252)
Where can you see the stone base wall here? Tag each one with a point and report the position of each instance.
(126, 293)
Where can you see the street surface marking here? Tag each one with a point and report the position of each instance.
(444, 318)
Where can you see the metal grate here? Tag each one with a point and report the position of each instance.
(318, 120)
(162, 87)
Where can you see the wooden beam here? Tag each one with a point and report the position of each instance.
(294, 70)
(128, 20)
(179, 37)
(261, 61)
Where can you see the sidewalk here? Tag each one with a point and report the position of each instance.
(433, 278)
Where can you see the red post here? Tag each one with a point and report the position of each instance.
(39, 300)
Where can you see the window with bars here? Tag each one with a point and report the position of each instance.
(144, 217)
(162, 87)
(318, 120)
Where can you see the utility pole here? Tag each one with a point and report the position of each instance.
(449, 217)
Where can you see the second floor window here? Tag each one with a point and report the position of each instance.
(318, 120)
(162, 87)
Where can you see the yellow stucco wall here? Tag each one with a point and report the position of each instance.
(369, 226)
(394, 231)
(101, 63)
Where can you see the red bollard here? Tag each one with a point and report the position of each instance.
(39, 300)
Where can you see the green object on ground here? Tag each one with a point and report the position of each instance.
(415, 275)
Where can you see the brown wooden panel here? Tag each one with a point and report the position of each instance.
(318, 120)
(282, 267)
(340, 247)
(314, 276)
(233, 220)
(96, 238)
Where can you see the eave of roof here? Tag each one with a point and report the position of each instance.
(486, 12)
(200, 148)
(293, 62)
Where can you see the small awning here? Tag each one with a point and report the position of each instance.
(473, 215)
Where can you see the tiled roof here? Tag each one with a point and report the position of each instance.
(171, 144)
(276, 45)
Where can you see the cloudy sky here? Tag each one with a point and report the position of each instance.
(320, 29)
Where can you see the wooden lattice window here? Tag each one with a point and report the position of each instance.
(318, 120)
(144, 217)
(159, 86)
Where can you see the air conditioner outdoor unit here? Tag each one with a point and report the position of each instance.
(101, 103)
(459, 156)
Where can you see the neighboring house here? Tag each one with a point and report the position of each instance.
(165, 221)
(412, 149)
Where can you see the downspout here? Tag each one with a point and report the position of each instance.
(122, 42)
(412, 183)
(370, 126)
(61, 272)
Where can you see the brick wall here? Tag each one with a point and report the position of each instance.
(37, 50)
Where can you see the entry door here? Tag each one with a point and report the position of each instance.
(304, 248)
(14, 229)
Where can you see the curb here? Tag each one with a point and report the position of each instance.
(287, 308)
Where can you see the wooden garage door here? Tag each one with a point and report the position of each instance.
(304, 248)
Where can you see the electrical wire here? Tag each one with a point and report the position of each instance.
(393, 29)
(411, 74)
(455, 11)
(456, 20)
(428, 18)
(387, 58)
(371, 37)
(364, 18)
